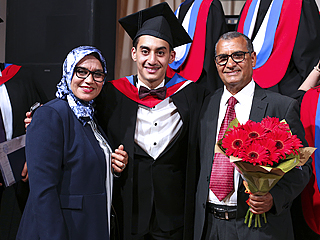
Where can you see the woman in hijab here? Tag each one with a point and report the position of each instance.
(69, 158)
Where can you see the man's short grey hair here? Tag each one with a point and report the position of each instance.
(233, 35)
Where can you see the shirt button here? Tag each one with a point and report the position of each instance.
(155, 124)
(154, 143)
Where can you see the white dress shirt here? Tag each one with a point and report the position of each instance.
(6, 110)
(242, 109)
(156, 127)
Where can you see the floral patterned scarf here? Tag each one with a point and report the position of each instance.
(83, 110)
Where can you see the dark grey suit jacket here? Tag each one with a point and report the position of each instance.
(265, 103)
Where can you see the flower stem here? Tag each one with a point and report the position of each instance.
(246, 217)
(250, 219)
(265, 217)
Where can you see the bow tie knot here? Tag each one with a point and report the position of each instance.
(159, 92)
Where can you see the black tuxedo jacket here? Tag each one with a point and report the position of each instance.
(170, 180)
(265, 103)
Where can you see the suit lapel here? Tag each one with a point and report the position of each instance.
(257, 113)
(209, 125)
(259, 106)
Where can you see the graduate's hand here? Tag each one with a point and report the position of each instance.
(24, 173)
(260, 204)
(29, 114)
(119, 159)
(27, 120)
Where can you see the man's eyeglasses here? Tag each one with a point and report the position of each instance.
(83, 73)
(237, 57)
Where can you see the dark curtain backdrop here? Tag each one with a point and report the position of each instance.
(40, 34)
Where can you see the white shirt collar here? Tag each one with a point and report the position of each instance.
(140, 83)
(241, 96)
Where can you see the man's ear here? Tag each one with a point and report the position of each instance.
(134, 54)
(253, 58)
(172, 56)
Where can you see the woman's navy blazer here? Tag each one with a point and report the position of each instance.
(67, 174)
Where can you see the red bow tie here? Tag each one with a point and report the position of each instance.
(159, 92)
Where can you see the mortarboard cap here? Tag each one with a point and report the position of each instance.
(158, 21)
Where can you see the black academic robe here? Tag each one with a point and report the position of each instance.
(215, 27)
(170, 179)
(22, 94)
(306, 49)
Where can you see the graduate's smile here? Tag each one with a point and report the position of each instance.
(152, 69)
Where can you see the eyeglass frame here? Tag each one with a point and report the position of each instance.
(90, 72)
(244, 57)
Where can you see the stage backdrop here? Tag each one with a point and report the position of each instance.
(39, 34)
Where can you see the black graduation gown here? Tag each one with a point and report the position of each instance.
(306, 50)
(22, 94)
(172, 176)
(216, 26)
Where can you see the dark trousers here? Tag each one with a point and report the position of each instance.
(13, 200)
(219, 229)
(155, 233)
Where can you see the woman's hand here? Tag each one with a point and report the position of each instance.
(119, 159)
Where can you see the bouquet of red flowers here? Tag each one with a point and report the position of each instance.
(263, 152)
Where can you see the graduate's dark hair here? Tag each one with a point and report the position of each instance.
(233, 35)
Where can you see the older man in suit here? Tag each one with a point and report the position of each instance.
(221, 203)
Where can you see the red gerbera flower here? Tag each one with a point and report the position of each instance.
(274, 155)
(255, 154)
(254, 130)
(270, 123)
(283, 141)
(296, 144)
(234, 140)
